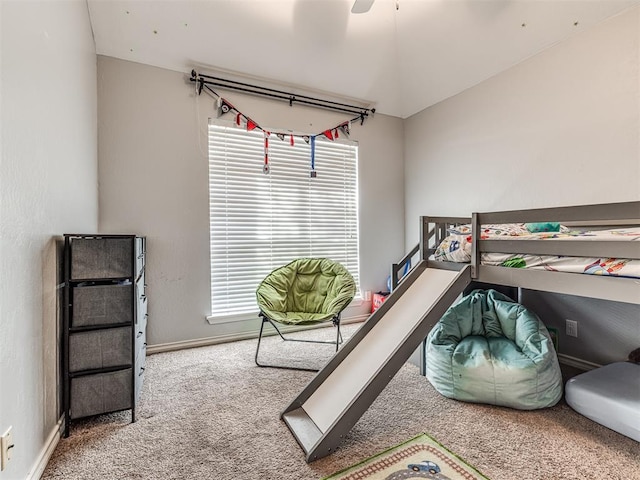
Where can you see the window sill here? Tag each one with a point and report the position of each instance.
(358, 301)
(239, 317)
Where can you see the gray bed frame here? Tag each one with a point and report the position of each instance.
(433, 230)
(592, 217)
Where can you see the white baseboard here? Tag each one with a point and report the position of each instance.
(577, 362)
(203, 342)
(47, 450)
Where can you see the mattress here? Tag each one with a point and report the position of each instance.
(610, 396)
(456, 247)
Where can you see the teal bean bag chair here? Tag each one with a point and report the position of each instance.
(489, 349)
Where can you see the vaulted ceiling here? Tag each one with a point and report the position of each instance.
(400, 57)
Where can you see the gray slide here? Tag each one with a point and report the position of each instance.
(344, 389)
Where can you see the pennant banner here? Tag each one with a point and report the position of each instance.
(223, 107)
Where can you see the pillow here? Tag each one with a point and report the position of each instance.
(460, 229)
(454, 248)
(543, 227)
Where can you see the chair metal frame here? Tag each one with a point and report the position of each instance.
(265, 319)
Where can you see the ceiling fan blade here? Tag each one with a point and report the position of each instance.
(361, 6)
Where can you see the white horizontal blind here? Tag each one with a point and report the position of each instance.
(259, 222)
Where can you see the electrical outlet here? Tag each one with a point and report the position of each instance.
(6, 448)
(572, 328)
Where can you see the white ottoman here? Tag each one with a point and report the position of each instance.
(609, 395)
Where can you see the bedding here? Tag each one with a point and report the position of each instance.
(456, 247)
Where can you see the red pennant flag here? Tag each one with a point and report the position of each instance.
(291, 140)
(328, 134)
(251, 125)
(238, 119)
(335, 133)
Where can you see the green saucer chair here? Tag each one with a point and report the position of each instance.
(490, 349)
(304, 292)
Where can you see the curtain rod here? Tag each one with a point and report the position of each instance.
(277, 94)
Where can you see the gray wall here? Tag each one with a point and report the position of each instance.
(561, 128)
(607, 331)
(48, 186)
(153, 171)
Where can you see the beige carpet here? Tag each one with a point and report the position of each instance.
(210, 413)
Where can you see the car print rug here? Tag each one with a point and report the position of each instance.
(420, 457)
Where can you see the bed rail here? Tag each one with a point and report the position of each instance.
(432, 231)
(401, 267)
(624, 214)
(584, 217)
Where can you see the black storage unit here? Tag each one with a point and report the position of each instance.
(104, 324)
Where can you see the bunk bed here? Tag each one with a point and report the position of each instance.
(606, 232)
(592, 251)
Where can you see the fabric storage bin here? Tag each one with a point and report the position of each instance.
(100, 349)
(101, 258)
(100, 393)
(102, 304)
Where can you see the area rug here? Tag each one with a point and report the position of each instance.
(420, 457)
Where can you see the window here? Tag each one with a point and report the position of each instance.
(259, 222)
